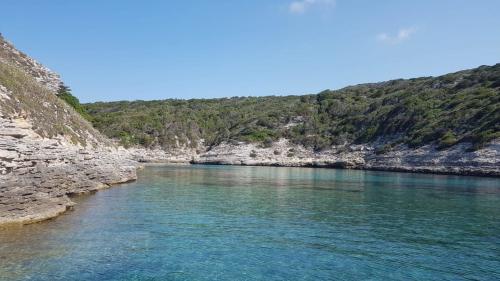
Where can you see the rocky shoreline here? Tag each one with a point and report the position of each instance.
(416, 170)
(428, 159)
(49, 153)
(38, 176)
(32, 192)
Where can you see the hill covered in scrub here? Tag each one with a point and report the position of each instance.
(461, 107)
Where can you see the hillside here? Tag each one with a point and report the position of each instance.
(461, 107)
(31, 95)
(47, 150)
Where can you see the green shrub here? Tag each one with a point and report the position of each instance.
(482, 138)
(447, 140)
(268, 142)
(64, 93)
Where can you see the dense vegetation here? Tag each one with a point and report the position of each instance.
(64, 93)
(445, 110)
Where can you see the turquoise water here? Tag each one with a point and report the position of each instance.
(261, 223)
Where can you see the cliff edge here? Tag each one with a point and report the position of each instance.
(47, 151)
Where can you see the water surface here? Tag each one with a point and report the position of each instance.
(263, 223)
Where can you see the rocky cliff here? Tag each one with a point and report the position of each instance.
(427, 159)
(47, 151)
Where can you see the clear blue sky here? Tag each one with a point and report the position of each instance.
(116, 50)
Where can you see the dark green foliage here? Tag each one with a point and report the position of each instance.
(447, 140)
(457, 107)
(64, 93)
(482, 138)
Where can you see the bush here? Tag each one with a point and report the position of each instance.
(268, 142)
(64, 93)
(253, 154)
(126, 139)
(383, 149)
(481, 139)
(447, 140)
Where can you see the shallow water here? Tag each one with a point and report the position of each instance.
(262, 223)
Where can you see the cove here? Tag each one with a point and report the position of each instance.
(267, 223)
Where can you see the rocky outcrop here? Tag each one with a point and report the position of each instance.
(47, 151)
(158, 155)
(38, 174)
(428, 159)
(457, 160)
(9, 54)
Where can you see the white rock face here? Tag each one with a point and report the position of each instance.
(47, 151)
(143, 155)
(37, 174)
(457, 160)
(45, 76)
(4, 93)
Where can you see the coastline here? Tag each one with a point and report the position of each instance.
(44, 191)
(457, 160)
(420, 170)
(59, 208)
(49, 152)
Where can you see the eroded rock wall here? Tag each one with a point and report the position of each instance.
(46, 77)
(47, 151)
(458, 160)
(37, 174)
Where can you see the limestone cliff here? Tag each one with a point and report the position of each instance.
(47, 151)
(427, 159)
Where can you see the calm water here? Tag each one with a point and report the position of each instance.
(258, 223)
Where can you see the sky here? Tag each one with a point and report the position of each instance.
(129, 50)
